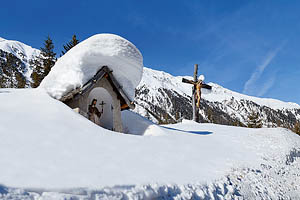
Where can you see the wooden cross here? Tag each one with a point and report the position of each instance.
(102, 104)
(196, 92)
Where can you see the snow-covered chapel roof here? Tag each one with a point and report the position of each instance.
(82, 62)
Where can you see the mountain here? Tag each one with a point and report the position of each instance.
(163, 98)
(15, 62)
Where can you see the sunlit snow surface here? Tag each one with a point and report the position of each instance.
(83, 61)
(47, 151)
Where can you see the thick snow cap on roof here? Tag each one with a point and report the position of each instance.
(83, 61)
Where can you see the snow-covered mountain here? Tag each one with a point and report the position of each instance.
(21, 54)
(22, 51)
(163, 98)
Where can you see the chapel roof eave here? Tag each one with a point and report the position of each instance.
(103, 72)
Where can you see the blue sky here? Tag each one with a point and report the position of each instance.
(252, 47)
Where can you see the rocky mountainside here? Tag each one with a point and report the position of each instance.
(163, 98)
(15, 69)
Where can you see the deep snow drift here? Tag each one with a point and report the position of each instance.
(83, 61)
(45, 146)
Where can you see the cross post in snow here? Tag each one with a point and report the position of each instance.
(196, 92)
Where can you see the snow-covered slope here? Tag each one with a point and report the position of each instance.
(19, 49)
(155, 79)
(221, 94)
(165, 99)
(22, 51)
(47, 151)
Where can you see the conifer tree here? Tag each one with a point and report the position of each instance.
(21, 81)
(48, 56)
(166, 118)
(254, 120)
(210, 115)
(43, 63)
(296, 128)
(70, 45)
(177, 116)
(37, 72)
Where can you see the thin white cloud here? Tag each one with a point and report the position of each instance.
(267, 85)
(251, 82)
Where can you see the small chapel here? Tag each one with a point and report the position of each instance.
(111, 99)
(99, 74)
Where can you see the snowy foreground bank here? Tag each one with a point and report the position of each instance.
(47, 151)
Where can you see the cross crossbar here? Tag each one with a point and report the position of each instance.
(184, 80)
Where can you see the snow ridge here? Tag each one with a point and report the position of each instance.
(22, 51)
(221, 94)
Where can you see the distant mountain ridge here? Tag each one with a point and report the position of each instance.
(19, 49)
(163, 98)
(21, 55)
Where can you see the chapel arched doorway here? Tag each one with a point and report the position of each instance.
(104, 105)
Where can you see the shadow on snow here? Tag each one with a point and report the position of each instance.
(4, 91)
(193, 132)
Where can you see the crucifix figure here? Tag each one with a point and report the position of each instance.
(198, 85)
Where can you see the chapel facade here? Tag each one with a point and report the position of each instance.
(111, 99)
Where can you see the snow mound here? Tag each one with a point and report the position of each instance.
(83, 61)
(142, 125)
(60, 136)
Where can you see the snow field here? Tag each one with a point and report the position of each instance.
(276, 181)
(54, 153)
